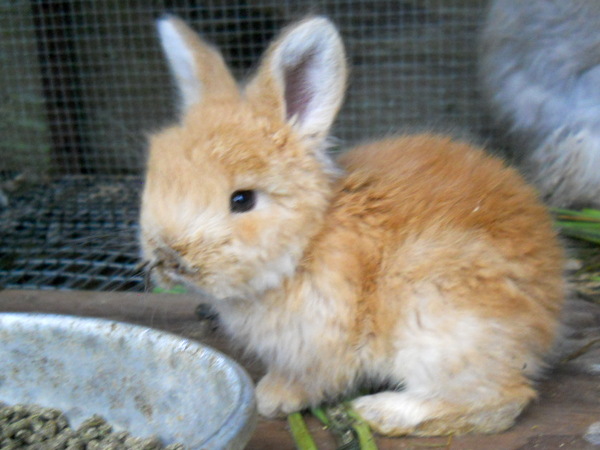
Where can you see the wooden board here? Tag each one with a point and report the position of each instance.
(568, 405)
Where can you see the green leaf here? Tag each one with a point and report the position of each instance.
(584, 224)
(174, 290)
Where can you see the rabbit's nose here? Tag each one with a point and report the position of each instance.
(166, 256)
(170, 259)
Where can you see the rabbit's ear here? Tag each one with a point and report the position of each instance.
(302, 78)
(199, 69)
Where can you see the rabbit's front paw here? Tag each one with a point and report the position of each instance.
(278, 396)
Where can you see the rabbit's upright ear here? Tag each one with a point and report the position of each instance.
(199, 69)
(302, 77)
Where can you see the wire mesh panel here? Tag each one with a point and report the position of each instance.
(83, 83)
(76, 233)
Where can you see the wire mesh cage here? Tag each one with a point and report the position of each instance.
(83, 82)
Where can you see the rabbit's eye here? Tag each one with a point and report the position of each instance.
(242, 201)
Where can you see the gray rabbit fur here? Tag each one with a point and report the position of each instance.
(540, 75)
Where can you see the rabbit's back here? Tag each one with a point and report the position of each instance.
(417, 196)
(434, 182)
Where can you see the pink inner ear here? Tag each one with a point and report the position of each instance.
(298, 91)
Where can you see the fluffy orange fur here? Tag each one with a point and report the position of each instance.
(420, 262)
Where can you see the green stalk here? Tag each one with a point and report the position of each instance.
(321, 415)
(363, 431)
(300, 433)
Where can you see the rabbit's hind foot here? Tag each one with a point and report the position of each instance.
(404, 413)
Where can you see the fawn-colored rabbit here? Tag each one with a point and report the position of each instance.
(416, 264)
(540, 75)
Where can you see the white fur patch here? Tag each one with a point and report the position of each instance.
(273, 274)
(392, 410)
(181, 61)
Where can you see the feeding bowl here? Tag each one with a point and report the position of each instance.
(141, 380)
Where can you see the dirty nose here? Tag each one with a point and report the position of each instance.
(169, 259)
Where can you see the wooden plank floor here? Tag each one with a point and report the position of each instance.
(566, 415)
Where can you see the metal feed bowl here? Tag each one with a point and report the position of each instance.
(145, 381)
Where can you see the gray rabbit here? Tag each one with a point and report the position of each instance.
(540, 74)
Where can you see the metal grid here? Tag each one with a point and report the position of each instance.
(84, 81)
(74, 233)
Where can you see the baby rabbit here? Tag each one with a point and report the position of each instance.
(540, 75)
(417, 263)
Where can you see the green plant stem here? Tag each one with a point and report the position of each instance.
(363, 431)
(300, 433)
(321, 415)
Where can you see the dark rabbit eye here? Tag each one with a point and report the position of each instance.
(242, 201)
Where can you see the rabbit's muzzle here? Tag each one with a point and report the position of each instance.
(170, 260)
(168, 267)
